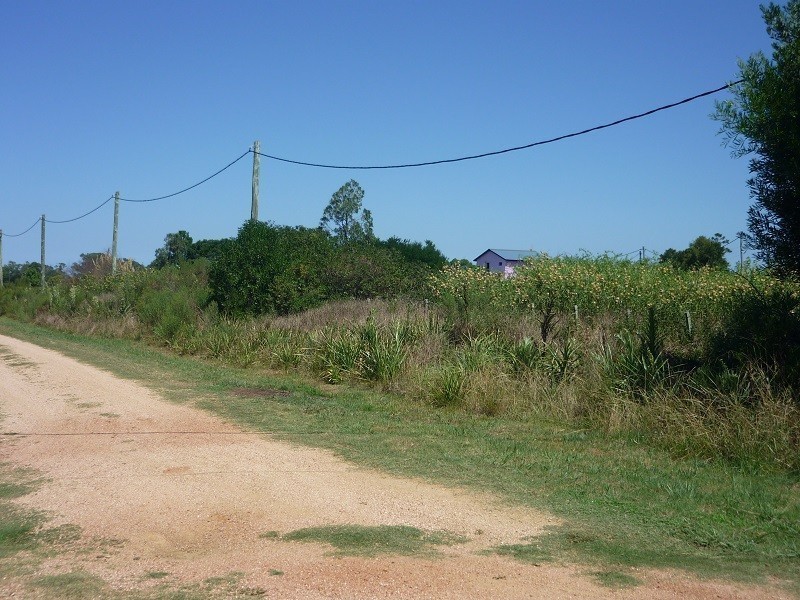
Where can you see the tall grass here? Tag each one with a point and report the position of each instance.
(625, 364)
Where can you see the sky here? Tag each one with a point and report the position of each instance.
(150, 97)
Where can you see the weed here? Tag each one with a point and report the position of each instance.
(524, 356)
(382, 353)
(448, 386)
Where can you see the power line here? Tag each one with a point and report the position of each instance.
(96, 208)
(397, 166)
(36, 222)
(507, 150)
(107, 200)
(191, 187)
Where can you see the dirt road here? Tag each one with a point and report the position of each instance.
(173, 495)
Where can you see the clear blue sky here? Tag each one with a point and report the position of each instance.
(150, 97)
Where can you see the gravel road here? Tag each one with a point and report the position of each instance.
(160, 488)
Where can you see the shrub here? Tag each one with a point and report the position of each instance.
(270, 269)
(762, 327)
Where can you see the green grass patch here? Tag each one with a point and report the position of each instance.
(624, 504)
(615, 579)
(156, 574)
(361, 540)
(17, 529)
(534, 552)
(16, 482)
(269, 535)
(75, 585)
(88, 404)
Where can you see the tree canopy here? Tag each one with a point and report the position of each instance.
(175, 249)
(702, 252)
(415, 252)
(344, 217)
(763, 119)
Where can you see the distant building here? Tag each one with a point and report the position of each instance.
(502, 261)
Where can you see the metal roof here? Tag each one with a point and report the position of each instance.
(508, 254)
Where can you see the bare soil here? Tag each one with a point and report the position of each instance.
(171, 494)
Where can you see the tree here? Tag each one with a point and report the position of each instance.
(210, 249)
(763, 118)
(415, 252)
(29, 273)
(270, 269)
(702, 252)
(344, 217)
(174, 251)
(98, 264)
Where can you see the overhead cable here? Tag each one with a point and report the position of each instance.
(191, 187)
(96, 208)
(507, 150)
(24, 232)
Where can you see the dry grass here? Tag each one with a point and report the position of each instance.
(410, 349)
(123, 327)
(349, 313)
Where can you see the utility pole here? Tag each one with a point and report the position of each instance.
(1, 258)
(256, 169)
(43, 222)
(740, 235)
(114, 235)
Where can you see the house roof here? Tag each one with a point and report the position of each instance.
(508, 254)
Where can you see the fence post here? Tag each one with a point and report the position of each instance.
(256, 173)
(688, 323)
(114, 235)
(43, 266)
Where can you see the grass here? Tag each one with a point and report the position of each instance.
(269, 535)
(615, 579)
(18, 527)
(75, 585)
(360, 540)
(623, 504)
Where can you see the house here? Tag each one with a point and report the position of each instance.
(502, 261)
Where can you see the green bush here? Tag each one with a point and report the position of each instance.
(270, 269)
(762, 328)
(168, 313)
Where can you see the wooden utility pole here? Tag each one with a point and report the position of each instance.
(740, 235)
(256, 169)
(114, 235)
(43, 281)
(1, 258)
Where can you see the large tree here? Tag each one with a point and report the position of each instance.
(270, 269)
(702, 252)
(344, 217)
(763, 119)
(174, 251)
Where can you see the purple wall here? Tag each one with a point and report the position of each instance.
(496, 263)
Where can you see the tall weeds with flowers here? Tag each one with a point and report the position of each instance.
(705, 363)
